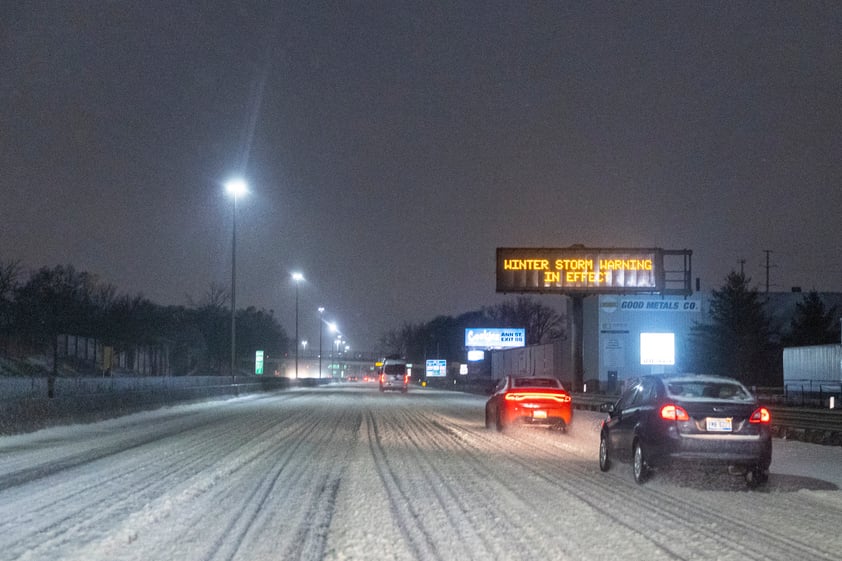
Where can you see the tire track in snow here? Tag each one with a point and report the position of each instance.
(173, 493)
(107, 497)
(675, 516)
(229, 541)
(310, 539)
(290, 483)
(472, 501)
(413, 429)
(409, 522)
(527, 506)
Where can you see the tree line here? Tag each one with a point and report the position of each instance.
(444, 336)
(49, 302)
(740, 338)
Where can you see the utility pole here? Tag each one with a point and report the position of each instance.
(768, 252)
(742, 267)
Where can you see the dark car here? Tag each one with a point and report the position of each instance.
(528, 401)
(394, 375)
(659, 421)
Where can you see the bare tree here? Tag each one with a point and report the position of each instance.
(542, 323)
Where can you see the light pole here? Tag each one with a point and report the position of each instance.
(339, 355)
(321, 328)
(333, 329)
(235, 188)
(304, 350)
(297, 277)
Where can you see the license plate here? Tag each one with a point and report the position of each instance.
(539, 414)
(715, 424)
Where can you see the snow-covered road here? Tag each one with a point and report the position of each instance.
(344, 472)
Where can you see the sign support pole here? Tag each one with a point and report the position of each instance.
(577, 341)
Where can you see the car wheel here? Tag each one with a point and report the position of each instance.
(499, 423)
(639, 467)
(756, 476)
(487, 418)
(604, 460)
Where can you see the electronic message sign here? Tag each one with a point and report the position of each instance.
(580, 270)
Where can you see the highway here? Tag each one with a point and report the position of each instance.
(344, 472)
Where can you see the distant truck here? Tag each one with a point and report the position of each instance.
(394, 375)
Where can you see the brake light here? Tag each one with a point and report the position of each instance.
(382, 378)
(760, 416)
(674, 413)
(521, 396)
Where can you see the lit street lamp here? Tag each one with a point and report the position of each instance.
(297, 277)
(235, 188)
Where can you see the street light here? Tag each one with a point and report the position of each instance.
(297, 277)
(235, 188)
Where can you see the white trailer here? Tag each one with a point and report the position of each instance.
(819, 363)
(550, 360)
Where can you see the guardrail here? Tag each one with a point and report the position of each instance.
(591, 401)
(28, 404)
(829, 420)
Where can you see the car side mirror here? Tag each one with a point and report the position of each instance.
(607, 407)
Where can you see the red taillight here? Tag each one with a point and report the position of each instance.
(382, 378)
(529, 396)
(674, 413)
(760, 416)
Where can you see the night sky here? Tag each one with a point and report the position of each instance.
(391, 147)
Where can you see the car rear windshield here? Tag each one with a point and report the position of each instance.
(708, 390)
(394, 369)
(537, 383)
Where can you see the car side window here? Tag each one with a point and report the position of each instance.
(646, 394)
(638, 397)
(626, 399)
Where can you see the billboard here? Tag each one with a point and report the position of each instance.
(495, 338)
(475, 355)
(436, 368)
(657, 349)
(585, 270)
